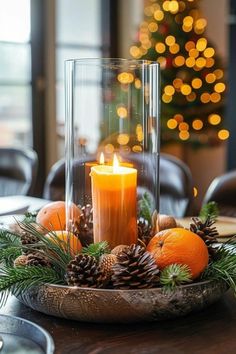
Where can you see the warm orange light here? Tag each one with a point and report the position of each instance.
(188, 21)
(125, 78)
(153, 27)
(205, 97)
(181, 6)
(184, 135)
(137, 84)
(201, 62)
(137, 148)
(109, 148)
(162, 62)
(214, 119)
(209, 52)
(189, 45)
(122, 112)
(219, 73)
(210, 62)
(210, 78)
(219, 87)
(169, 90)
(123, 139)
(201, 44)
(197, 124)
(194, 53)
(201, 23)
(190, 62)
(223, 134)
(186, 89)
(179, 118)
(177, 83)
(172, 123)
(195, 192)
(191, 97)
(135, 52)
(174, 49)
(170, 40)
(165, 5)
(183, 126)
(173, 6)
(102, 159)
(187, 28)
(196, 83)
(160, 47)
(166, 98)
(158, 15)
(179, 60)
(215, 97)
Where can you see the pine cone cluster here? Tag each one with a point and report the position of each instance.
(84, 271)
(135, 269)
(28, 238)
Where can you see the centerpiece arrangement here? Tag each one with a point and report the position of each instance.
(105, 254)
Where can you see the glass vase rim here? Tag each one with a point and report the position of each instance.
(108, 60)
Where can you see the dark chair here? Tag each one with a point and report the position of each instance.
(18, 169)
(222, 190)
(176, 189)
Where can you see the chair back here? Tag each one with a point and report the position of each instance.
(222, 190)
(18, 170)
(176, 187)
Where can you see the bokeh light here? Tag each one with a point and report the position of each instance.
(223, 134)
(197, 124)
(184, 135)
(174, 49)
(190, 62)
(158, 15)
(183, 126)
(186, 89)
(179, 60)
(170, 40)
(196, 83)
(189, 45)
(122, 112)
(173, 6)
(219, 87)
(201, 44)
(209, 52)
(166, 98)
(160, 47)
(210, 78)
(169, 90)
(123, 139)
(172, 123)
(214, 119)
(205, 97)
(125, 78)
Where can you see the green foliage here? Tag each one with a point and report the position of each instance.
(17, 280)
(9, 239)
(96, 249)
(209, 211)
(30, 217)
(174, 275)
(223, 267)
(9, 254)
(145, 207)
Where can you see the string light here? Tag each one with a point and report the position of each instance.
(210, 62)
(179, 118)
(200, 62)
(201, 44)
(205, 97)
(179, 60)
(170, 40)
(197, 124)
(169, 90)
(173, 6)
(174, 49)
(153, 27)
(184, 135)
(223, 134)
(165, 5)
(210, 78)
(186, 89)
(166, 98)
(219, 73)
(189, 45)
(214, 119)
(194, 53)
(215, 97)
(219, 87)
(160, 47)
(190, 62)
(196, 83)
(209, 52)
(183, 126)
(159, 15)
(172, 123)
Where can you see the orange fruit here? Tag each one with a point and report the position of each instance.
(53, 215)
(179, 246)
(63, 238)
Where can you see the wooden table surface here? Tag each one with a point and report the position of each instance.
(212, 331)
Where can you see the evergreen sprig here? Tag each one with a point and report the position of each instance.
(223, 267)
(96, 249)
(9, 239)
(145, 207)
(17, 280)
(175, 275)
(9, 254)
(209, 211)
(30, 217)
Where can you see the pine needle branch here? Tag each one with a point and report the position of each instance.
(209, 211)
(96, 249)
(9, 254)
(175, 275)
(9, 239)
(145, 207)
(17, 280)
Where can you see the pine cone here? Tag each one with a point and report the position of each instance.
(106, 262)
(85, 271)
(37, 259)
(20, 261)
(206, 231)
(135, 269)
(144, 230)
(84, 228)
(27, 238)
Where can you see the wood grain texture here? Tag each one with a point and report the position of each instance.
(211, 331)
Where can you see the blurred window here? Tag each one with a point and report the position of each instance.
(15, 73)
(78, 35)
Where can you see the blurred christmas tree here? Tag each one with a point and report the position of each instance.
(192, 77)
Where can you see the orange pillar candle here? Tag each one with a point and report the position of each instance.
(114, 196)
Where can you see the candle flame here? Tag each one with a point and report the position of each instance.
(102, 159)
(115, 163)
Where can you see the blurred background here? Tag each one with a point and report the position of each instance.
(193, 40)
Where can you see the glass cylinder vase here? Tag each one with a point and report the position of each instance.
(112, 147)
